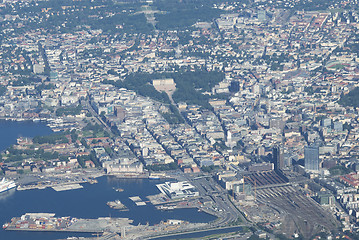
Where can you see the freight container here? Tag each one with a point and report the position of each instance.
(32, 226)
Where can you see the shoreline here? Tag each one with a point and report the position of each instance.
(13, 119)
(83, 225)
(49, 230)
(91, 180)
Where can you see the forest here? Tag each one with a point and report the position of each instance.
(350, 99)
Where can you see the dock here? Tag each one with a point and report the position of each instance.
(135, 199)
(53, 185)
(138, 201)
(109, 227)
(60, 188)
(48, 222)
(116, 205)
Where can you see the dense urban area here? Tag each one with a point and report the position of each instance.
(251, 106)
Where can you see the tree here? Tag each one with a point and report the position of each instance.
(350, 99)
(2, 90)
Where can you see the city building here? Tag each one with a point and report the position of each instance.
(311, 158)
(175, 190)
(278, 158)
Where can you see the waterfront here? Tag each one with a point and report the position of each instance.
(11, 130)
(200, 234)
(88, 202)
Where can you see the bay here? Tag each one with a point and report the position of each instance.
(11, 130)
(88, 202)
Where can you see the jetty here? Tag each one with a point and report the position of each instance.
(116, 205)
(138, 201)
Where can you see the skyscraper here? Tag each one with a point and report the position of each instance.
(311, 158)
(278, 158)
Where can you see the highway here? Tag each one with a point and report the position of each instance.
(225, 210)
(209, 231)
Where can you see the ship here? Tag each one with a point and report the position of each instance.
(6, 185)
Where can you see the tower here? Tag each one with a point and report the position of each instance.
(311, 157)
(278, 158)
(229, 143)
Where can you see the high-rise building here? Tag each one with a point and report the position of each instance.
(262, 15)
(120, 113)
(278, 158)
(230, 143)
(311, 158)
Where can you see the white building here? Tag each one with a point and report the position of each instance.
(178, 189)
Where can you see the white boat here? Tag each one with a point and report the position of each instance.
(6, 185)
(153, 177)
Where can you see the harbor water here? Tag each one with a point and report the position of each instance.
(88, 202)
(11, 130)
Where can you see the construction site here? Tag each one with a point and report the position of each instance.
(268, 198)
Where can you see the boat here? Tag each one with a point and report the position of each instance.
(5, 225)
(119, 189)
(153, 177)
(6, 185)
(92, 181)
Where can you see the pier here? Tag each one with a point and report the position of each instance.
(49, 223)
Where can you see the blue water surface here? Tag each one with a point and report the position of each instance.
(88, 202)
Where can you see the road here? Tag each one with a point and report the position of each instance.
(225, 210)
(87, 105)
(209, 230)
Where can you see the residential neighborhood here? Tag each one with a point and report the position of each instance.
(262, 97)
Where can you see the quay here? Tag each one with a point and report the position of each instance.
(56, 186)
(49, 223)
(67, 187)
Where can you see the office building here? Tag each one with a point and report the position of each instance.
(311, 158)
(278, 158)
